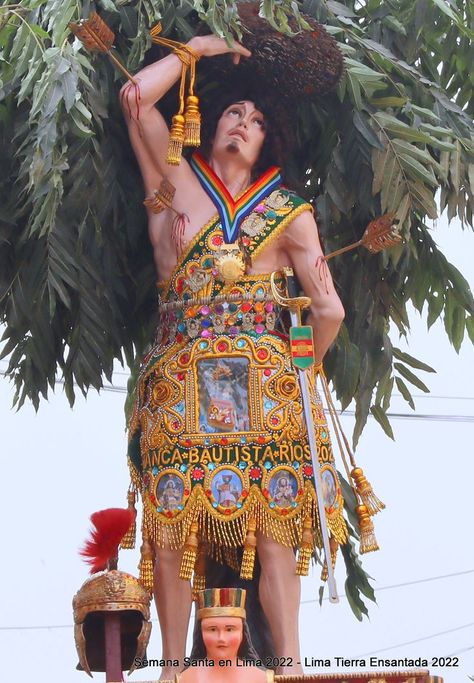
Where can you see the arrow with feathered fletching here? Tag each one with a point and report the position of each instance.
(380, 234)
(97, 36)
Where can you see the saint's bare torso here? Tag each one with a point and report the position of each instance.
(199, 209)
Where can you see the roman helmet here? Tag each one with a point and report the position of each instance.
(108, 591)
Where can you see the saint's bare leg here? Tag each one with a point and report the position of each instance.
(280, 591)
(173, 604)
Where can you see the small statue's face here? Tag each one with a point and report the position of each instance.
(222, 636)
(240, 131)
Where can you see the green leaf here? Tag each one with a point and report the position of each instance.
(458, 327)
(394, 24)
(411, 377)
(339, 9)
(381, 417)
(411, 360)
(354, 89)
(424, 198)
(435, 307)
(417, 170)
(423, 112)
(361, 122)
(383, 102)
(470, 327)
(403, 389)
(402, 130)
(455, 166)
(407, 148)
(444, 7)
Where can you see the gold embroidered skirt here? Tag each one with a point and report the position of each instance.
(223, 441)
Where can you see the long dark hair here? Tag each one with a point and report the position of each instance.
(278, 143)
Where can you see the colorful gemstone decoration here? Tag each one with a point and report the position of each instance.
(255, 472)
(197, 473)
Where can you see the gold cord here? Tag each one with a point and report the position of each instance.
(186, 124)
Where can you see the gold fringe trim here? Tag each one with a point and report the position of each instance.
(230, 532)
(199, 584)
(248, 557)
(146, 565)
(128, 541)
(199, 579)
(190, 554)
(368, 542)
(306, 548)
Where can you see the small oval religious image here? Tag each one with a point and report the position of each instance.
(329, 485)
(169, 491)
(283, 488)
(226, 488)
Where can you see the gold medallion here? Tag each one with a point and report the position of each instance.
(229, 261)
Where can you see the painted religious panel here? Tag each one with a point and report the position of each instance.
(223, 395)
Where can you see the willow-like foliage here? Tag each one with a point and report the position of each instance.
(76, 273)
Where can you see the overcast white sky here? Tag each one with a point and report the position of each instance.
(60, 465)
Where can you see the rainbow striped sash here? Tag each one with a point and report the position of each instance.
(232, 212)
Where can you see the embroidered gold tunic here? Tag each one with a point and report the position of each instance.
(218, 441)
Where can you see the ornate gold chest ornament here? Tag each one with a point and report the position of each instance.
(229, 262)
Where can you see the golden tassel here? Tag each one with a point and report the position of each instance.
(306, 548)
(333, 548)
(128, 541)
(189, 554)
(186, 124)
(248, 558)
(192, 116)
(199, 579)
(366, 493)
(146, 564)
(368, 542)
(192, 122)
(176, 141)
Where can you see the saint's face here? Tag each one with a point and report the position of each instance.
(240, 131)
(222, 636)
